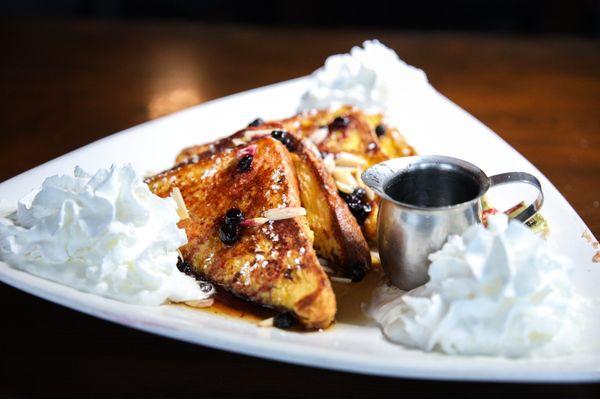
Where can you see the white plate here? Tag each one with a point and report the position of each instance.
(434, 125)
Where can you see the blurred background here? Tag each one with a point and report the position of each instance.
(577, 17)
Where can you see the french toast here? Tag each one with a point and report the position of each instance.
(392, 143)
(272, 262)
(338, 237)
(347, 133)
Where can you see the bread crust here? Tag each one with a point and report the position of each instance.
(338, 237)
(274, 264)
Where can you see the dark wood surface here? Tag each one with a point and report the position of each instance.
(67, 83)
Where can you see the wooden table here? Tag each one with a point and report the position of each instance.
(65, 84)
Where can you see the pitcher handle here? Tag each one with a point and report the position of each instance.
(521, 177)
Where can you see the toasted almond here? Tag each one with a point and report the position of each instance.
(370, 193)
(181, 208)
(375, 257)
(343, 280)
(284, 213)
(396, 136)
(238, 142)
(357, 174)
(248, 150)
(311, 147)
(329, 162)
(345, 175)
(345, 188)
(327, 269)
(254, 222)
(201, 303)
(254, 134)
(266, 322)
(348, 159)
(319, 135)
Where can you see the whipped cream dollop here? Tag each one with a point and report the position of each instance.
(107, 234)
(371, 77)
(492, 291)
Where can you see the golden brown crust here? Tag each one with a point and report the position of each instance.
(392, 143)
(358, 138)
(273, 264)
(338, 237)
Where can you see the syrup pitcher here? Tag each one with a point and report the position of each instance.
(424, 200)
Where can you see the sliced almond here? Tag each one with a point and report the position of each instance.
(254, 134)
(343, 280)
(345, 175)
(238, 142)
(345, 188)
(328, 269)
(284, 213)
(357, 174)
(348, 159)
(319, 135)
(248, 150)
(201, 303)
(254, 222)
(266, 322)
(375, 258)
(311, 147)
(329, 162)
(370, 193)
(397, 137)
(181, 208)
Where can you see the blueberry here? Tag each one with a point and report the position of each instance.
(229, 233)
(285, 320)
(256, 122)
(341, 122)
(245, 163)
(234, 216)
(380, 130)
(359, 194)
(183, 266)
(360, 211)
(356, 273)
(205, 287)
(279, 134)
(285, 138)
(359, 207)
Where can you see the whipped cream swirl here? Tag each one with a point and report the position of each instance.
(371, 77)
(106, 234)
(492, 291)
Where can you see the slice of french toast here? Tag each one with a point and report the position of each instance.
(231, 243)
(350, 137)
(392, 143)
(354, 141)
(338, 237)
